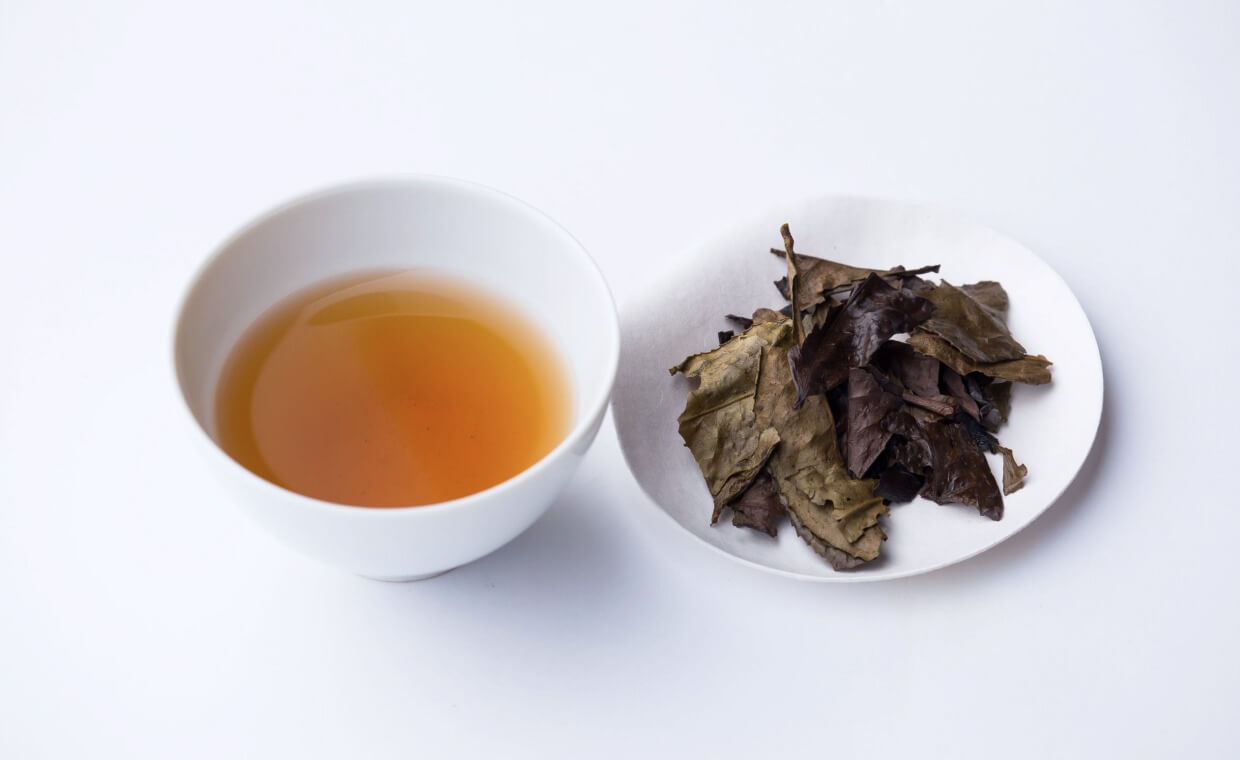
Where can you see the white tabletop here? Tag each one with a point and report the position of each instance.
(144, 616)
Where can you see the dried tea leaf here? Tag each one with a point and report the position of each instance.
(991, 296)
(718, 421)
(897, 485)
(767, 316)
(917, 284)
(955, 386)
(868, 405)
(999, 395)
(1013, 473)
(943, 406)
(794, 287)
(868, 545)
(972, 329)
(1034, 370)
(873, 313)
(789, 415)
(977, 433)
(759, 507)
(954, 467)
(818, 277)
(823, 501)
(917, 373)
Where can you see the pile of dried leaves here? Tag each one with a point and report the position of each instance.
(829, 418)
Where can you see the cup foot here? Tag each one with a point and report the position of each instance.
(405, 578)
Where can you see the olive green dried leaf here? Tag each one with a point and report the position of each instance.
(1013, 473)
(999, 395)
(794, 289)
(868, 546)
(718, 421)
(991, 296)
(808, 468)
(972, 329)
(1034, 370)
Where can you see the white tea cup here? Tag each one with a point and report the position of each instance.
(461, 229)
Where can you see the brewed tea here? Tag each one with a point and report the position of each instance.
(391, 389)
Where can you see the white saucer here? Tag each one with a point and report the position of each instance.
(1051, 428)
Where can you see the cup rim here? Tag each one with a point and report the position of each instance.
(594, 408)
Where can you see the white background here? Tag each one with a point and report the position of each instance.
(142, 615)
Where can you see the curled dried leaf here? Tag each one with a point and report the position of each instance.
(1014, 473)
(872, 315)
(954, 468)
(1033, 370)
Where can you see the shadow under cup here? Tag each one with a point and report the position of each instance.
(465, 231)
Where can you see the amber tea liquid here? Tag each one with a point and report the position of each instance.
(391, 389)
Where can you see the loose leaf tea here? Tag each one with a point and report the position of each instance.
(718, 421)
(1032, 370)
(819, 411)
(809, 471)
(873, 313)
(868, 406)
(759, 507)
(971, 328)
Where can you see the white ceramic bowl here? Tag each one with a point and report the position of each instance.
(462, 229)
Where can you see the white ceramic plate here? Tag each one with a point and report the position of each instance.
(1051, 428)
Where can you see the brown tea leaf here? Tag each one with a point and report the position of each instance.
(953, 465)
(955, 386)
(917, 373)
(999, 395)
(897, 485)
(873, 313)
(868, 405)
(943, 406)
(759, 507)
(819, 278)
(794, 289)
(991, 296)
(971, 328)
(1013, 473)
(1033, 370)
